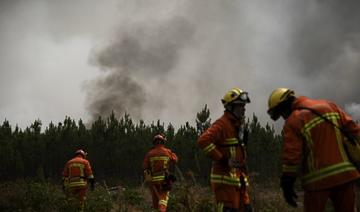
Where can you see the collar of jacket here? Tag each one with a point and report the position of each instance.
(232, 118)
(298, 102)
(79, 156)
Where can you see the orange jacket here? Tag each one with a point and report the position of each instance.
(158, 160)
(219, 141)
(317, 146)
(76, 172)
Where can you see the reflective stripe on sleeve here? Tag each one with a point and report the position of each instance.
(209, 148)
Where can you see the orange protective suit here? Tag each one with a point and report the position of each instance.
(316, 146)
(221, 141)
(157, 161)
(76, 174)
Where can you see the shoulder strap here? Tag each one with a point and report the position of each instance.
(349, 137)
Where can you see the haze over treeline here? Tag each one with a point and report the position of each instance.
(167, 59)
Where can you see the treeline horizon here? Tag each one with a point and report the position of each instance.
(116, 148)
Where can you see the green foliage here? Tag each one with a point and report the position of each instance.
(203, 120)
(190, 198)
(42, 197)
(263, 151)
(116, 147)
(98, 201)
(30, 196)
(132, 197)
(112, 142)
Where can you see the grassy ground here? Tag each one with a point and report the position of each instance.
(187, 197)
(28, 196)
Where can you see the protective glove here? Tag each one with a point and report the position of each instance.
(147, 176)
(246, 136)
(287, 185)
(171, 178)
(169, 181)
(92, 184)
(243, 183)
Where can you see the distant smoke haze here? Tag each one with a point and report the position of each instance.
(191, 54)
(163, 59)
(354, 110)
(326, 48)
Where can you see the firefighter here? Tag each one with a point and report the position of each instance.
(224, 142)
(76, 176)
(156, 165)
(313, 143)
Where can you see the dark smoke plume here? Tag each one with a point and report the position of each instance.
(117, 93)
(138, 55)
(326, 48)
(310, 46)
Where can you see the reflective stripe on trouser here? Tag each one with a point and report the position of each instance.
(159, 197)
(219, 207)
(230, 196)
(163, 200)
(77, 195)
(342, 197)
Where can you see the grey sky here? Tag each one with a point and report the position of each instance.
(161, 59)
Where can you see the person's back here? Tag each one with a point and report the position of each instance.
(76, 175)
(159, 157)
(156, 167)
(327, 164)
(315, 133)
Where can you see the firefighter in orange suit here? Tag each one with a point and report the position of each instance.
(156, 172)
(76, 175)
(314, 145)
(224, 143)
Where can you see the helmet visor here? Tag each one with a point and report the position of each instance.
(242, 98)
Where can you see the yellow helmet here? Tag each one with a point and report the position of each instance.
(235, 95)
(81, 152)
(278, 96)
(159, 137)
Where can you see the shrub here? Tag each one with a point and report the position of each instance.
(35, 196)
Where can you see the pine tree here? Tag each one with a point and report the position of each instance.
(203, 120)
